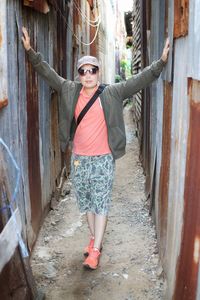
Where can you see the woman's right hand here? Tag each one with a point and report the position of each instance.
(26, 39)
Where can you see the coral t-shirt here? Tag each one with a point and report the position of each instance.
(91, 137)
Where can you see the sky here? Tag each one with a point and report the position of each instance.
(125, 5)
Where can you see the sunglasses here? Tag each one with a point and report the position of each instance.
(91, 71)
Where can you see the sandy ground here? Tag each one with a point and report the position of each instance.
(129, 266)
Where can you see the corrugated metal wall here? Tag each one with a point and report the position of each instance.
(171, 138)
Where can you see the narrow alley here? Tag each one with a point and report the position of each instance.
(137, 57)
(129, 266)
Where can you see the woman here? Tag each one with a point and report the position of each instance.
(99, 139)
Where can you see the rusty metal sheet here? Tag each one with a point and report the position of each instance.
(179, 133)
(55, 145)
(188, 265)
(181, 14)
(164, 172)
(167, 151)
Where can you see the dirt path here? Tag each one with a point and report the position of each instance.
(129, 264)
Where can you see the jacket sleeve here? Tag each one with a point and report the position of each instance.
(139, 81)
(43, 68)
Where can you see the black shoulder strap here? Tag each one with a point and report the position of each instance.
(90, 103)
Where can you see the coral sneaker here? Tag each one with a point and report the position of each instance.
(92, 261)
(89, 247)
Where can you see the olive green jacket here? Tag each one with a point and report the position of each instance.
(111, 99)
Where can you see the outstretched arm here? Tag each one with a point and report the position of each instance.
(124, 90)
(41, 66)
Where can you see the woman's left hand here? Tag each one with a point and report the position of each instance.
(165, 52)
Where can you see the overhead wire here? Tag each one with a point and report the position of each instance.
(77, 38)
(92, 23)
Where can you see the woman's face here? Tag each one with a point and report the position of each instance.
(89, 76)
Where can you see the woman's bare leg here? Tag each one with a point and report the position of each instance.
(91, 222)
(99, 230)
